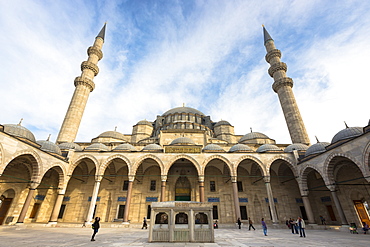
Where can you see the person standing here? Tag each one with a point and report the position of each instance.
(291, 223)
(365, 227)
(145, 225)
(250, 224)
(322, 220)
(301, 226)
(95, 226)
(239, 223)
(264, 226)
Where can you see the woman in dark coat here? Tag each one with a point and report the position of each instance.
(95, 226)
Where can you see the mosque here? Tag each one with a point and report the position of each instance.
(182, 155)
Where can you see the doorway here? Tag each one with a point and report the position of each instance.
(182, 189)
(4, 208)
(361, 211)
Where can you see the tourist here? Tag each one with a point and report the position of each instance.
(264, 226)
(291, 223)
(95, 226)
(250, 224)
(239, 223)
(145, 225)
(301, 226)
(322, 220)
(365, 227)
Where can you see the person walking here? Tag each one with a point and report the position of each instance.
(250, 224)
(239, 223)
(323, 221)
(301, 226)
(145, 225)
(291, 223)
(264, 226)
(95, 226)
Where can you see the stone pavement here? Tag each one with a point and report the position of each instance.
(34, 236)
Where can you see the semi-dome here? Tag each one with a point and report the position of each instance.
(268, 148)
(70, 145)
(144, 122)
(240, 148)
(152, 147)
(183, 109)
(316, 148)
(183, 141)
(19, 131)
(253, 135)
(49, 146)
(347, 133)
(222, 122)
(112, 134)
(97, 147)
(125, 147)
(295, 146)
(213, 147)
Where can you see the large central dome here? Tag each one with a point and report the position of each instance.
(183, 109)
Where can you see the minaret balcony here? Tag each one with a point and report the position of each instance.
(91, 66)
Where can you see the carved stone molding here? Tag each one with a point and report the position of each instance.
(93, 50)
(271, 54)
(277, 66)
(86, 82)
(282, 82)
(90, 66)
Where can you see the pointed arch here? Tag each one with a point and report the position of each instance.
(111, 158)
(182, 156)
(329, 165)
(250, 157)
(366, 162)
(1, 156)
(61, 172)
(141, 159)
(82, 157)
(302, 180)
(289, 162)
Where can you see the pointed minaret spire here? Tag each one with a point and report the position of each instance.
(283, 87)
(84, 85)
(346, 124)
(317, 139)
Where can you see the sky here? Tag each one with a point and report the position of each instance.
(208, 55)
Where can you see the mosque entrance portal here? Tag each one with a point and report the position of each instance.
(182, 189)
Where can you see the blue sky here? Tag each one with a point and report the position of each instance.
(206, 54)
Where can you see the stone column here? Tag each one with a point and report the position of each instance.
(307, 206)
(271, 200)
(131, 179)
(56, 209)
(163, 188)
(338, 205)
(171, 227)
(191, 225)
(201, 188)
(26, 205)
(236, 196)
(93, 199)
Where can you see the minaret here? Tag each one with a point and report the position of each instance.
(283, 87)
(84, 85)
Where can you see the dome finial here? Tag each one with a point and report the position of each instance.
(251, 129)
(115, 128)
(346, 125)
(183, 104)
(48, 138)
(20, 122)
(317, 139)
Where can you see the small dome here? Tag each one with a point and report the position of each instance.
(253, 135)
(145, 122)
(152, 147)
(240, 148)
(183, 110)
(125, 147)
(295, 146)
(183, 141)
(316, 148)
(49, 146)
(112, 134)
(70, 145)
(19, 131)
(268, 148)
(97, 147)
(347, 133)
(213, 147)
(222, 122)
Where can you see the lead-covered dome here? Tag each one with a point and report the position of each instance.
(125, 147)
(295, 146)
(112, 134)
(268, 148)
(97, 147)
(49, 146)
(70, 145)
(213, 147)
(253, 135)
(316, 148)
(152, 147)
(183, 141)
(182, 109)
(144, 122)
(240, 148)
(222, 122)
(19, 131)
(347, 133)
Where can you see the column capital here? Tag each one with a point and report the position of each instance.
(234, 179)
(201, 178)
(163, 178)
(131, 178)
(267, 179)
(61, 191)
(331, 187)
(98, 178)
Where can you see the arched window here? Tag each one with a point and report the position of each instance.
(201, 218)
(161, 218)
(181, 218)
